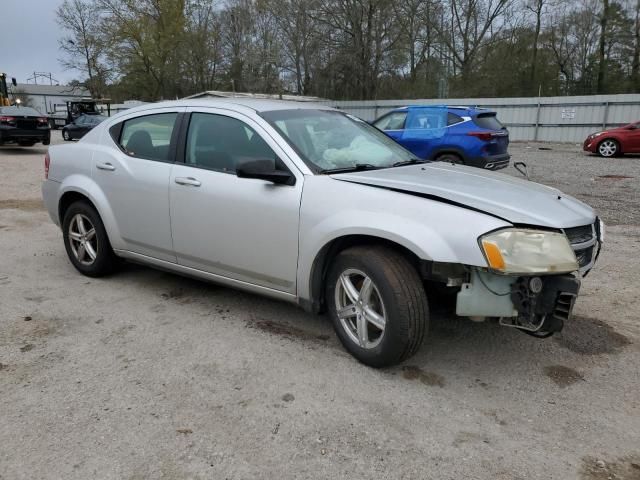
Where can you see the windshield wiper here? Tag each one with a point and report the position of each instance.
(354, 168)
(413, 161)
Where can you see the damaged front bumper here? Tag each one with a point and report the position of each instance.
(536, 304)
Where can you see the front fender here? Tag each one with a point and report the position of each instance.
(430, 229)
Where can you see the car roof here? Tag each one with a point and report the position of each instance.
(13, 110)
(255, 104)
(468, 109)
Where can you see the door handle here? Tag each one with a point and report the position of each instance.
(187, 181)
(105, 166)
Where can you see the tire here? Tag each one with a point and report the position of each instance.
(65, 136)
(450, 158)
(102, 261)
(46, 142)
(608, 148)
(396, 293)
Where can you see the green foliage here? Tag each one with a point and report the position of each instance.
(352, 49)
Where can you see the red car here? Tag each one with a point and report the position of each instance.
(616, 141)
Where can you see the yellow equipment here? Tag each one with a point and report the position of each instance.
(4, 93)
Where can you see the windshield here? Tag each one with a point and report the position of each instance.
(330, 140)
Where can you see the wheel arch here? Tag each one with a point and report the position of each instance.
(79, 187)
(331, 249)
(70, 197)
(615, 139)
(444, 150)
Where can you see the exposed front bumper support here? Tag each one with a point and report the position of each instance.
(531, 303)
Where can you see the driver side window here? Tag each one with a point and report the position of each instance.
(221, 143)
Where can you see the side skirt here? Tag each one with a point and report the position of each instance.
(202, 275)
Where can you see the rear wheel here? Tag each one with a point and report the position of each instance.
(378, 305)
(450, 158)
(86, 241)
(608, 148)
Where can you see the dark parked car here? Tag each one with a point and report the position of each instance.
(81, 126)
(467, 135)
(616, 141)
(24, 126)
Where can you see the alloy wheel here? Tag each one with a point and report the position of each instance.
(83, 239)
(360, 309)
(65, 135)
(607, 148)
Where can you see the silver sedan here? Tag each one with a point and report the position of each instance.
(311, 205)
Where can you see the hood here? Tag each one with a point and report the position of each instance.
(512, 199)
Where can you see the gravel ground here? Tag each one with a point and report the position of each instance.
(150, 375)
(611, 186)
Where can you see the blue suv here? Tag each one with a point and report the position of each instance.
(467, 135)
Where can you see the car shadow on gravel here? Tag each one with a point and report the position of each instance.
(451, 340)
(15, 150)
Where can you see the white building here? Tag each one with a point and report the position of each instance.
(48, 98)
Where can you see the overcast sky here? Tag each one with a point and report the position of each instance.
(30, 40)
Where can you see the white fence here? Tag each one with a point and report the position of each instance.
(551, 119)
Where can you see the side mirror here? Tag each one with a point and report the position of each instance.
(631, 127)
(265, 170)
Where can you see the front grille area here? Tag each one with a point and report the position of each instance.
(583, 240)
(579, 234)
(584, 256)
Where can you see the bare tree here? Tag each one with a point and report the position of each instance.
(602, 43)
(473, 24)
(82, 44)
(635, 64)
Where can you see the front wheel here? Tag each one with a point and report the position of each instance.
(378, 305)
(608, 148)
(65, 135)
(86, 241)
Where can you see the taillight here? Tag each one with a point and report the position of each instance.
(486, 136)
(7, 119)
(47, 161)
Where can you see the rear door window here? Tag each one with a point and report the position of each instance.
(452, 119)
(149, 136)
(488, 121)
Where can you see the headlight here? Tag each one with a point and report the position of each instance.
(516, 251)
(601, 231)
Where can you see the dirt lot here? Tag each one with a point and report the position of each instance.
(149, 375)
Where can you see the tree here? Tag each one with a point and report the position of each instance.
(635, 65)
(602, 43)
(83, 44)
(145, 42)
(537, 7)
(353, 49)
(472, 26)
